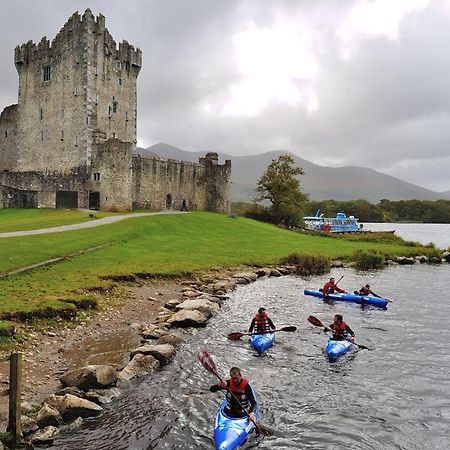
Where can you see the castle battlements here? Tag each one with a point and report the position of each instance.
(72, 34)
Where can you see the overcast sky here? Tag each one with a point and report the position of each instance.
(338, 82)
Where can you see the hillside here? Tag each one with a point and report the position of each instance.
(322, 183)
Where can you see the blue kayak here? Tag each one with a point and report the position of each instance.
(354, 298)
(230, 432)
(335, 348)
(261, 342)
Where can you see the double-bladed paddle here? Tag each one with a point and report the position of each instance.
(205, 359)
(317, 323)
(236, 336)
(379, 296)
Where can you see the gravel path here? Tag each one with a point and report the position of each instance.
(79, 226)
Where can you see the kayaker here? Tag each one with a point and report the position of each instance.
(330, 287)
(243, 392)
(261, 323)
(365, 290)
(340, 329)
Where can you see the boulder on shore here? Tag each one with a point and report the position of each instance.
(90, 377)
(152, 331)
(163, 353)
(44, 436)
(188, 318)
(71, 407)
(203, 305)
(171, 338)
(102, 396)
(138, 366)
(47, 416)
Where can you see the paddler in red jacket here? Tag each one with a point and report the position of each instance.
(261, 323)
(340, 329)
(242, 397)
(331, 287)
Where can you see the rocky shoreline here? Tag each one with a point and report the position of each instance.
(70, 373)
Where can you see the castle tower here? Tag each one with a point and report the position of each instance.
(74, 93)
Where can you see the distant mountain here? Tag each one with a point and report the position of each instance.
(322, 183)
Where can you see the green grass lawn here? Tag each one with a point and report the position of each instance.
(154, 244)
(31, 219)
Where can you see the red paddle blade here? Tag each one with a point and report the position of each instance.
(315, 321)
(205, 359)
(235, 336)
(289, 328)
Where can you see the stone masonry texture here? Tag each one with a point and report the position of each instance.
(70, 141)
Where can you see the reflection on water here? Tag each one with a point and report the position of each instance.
(395, 397)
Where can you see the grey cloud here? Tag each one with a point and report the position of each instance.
(390, 103)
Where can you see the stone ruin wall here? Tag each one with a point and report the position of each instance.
(8, 138)
(164, 184)
(112, 162)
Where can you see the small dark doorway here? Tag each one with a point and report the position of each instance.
(184, 205)
(168, 201)
(94, 200)
(67, 199)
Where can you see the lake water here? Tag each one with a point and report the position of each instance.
(394, 397)
(438, 233)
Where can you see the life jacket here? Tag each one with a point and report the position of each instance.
(364, 291)
(339, 329)
(239, 392)
(329, 288)
(262, 323)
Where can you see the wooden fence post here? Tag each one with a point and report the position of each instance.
(15, 395)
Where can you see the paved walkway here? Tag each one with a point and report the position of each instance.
(91, 224)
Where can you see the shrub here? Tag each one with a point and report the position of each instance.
(308, 264)
(368, 260)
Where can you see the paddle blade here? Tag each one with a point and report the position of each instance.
(235, 336)
(362, 347)
(289, 329)
(205, 359)
(315, 321)
(263, 430)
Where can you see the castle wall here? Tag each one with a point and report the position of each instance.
(112, 174)
(164, 184)
(40, 190)
(8, 138)
(79, 87)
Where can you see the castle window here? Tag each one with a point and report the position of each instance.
(6, 134)
(96, 99)
(41, 114)
(118, 64)
(109, 111)
(113, 135)
(62, 112)
(62, 135)
(46, 73)
(120, 81)
(75, 91)
(42, 136)
(76, 141)
(87, 120)
(114, 107)
(126, 116)
(97, 176)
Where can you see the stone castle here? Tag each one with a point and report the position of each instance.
(70, 141)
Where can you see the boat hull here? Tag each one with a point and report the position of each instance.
(229, 432)
(334, 348)
(353, 298)
(261, 342)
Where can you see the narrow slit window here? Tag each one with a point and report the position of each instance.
(114, 107)
(46, 73)
(96, 176)
(41, 113)
(76, 141)
(6, 134)
(62, 135)
(42, 136)
(62, 112)
(120, 81)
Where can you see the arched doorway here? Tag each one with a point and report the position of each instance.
(168, 201)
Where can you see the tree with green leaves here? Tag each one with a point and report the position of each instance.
(280, 186)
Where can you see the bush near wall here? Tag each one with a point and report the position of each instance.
(308, 264)
(368, 260)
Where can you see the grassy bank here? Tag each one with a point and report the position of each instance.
(156, 244)
(31, 219)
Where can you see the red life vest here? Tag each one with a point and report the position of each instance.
(364, 291)
(239, 392)
(339, 328)
(261, 323)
